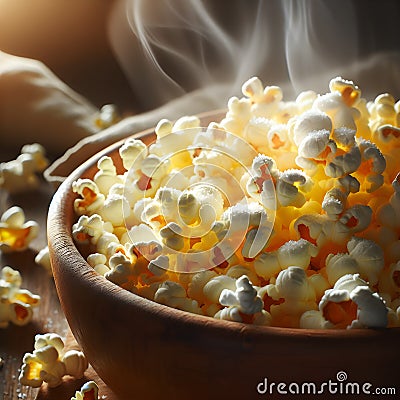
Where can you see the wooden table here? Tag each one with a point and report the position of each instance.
(16, 341)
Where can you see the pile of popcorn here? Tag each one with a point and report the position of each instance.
(284, 213)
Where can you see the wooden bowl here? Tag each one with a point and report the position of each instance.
(145, 350)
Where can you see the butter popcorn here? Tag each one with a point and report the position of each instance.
(16, 233)
(296, 203)
(49, 364)
(291, 186)
(373, 164)
(90, 228)
(16, 304)
(91, 200)
(352, 304)
(88, 391)
(20, 174)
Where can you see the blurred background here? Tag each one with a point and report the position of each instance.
(71, 38)
(139, 54)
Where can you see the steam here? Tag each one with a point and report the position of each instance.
(320, 42)
(173, 47)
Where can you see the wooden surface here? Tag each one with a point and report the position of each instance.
(48, 317)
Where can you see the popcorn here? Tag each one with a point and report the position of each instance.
(334, 203)
(163, 128)
(197, 284)
(239, 112)
(174, 295)
(284, 213)
(16, 233)
(16, 304)
(315, 143)
(257, 130)
(389, 282)
(373, 164)
(352, 304)
(186, 122)
(106, 243)
(132, 151)
(344, 163)
(106, 176)
(297, 253)
(290, 187)
(369, 256)
(310, 121)
(116, 208)
(289, 297)
(338, 265)
(214, 287)
(48, 363)
(171, 235)
(388, 214)
(267, 265)
(98, 262)
(292, 284)
(107, 116)
(336, 107)
(91, 200)
(90, 228)
(243, 304)
(349, 91)
(372, 311)
(19, 175)
(43, 258)
(88, 391)
(253, 88)
(121, 270)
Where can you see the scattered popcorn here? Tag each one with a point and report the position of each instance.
(16, 233)
(89, 391)
(48, 363)
(20, 175)
(43, 258)
(108, 115)
(16, 304)
(283, 213)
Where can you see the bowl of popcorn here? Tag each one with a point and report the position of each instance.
(239, 252)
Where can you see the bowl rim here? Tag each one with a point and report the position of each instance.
(59, 236)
